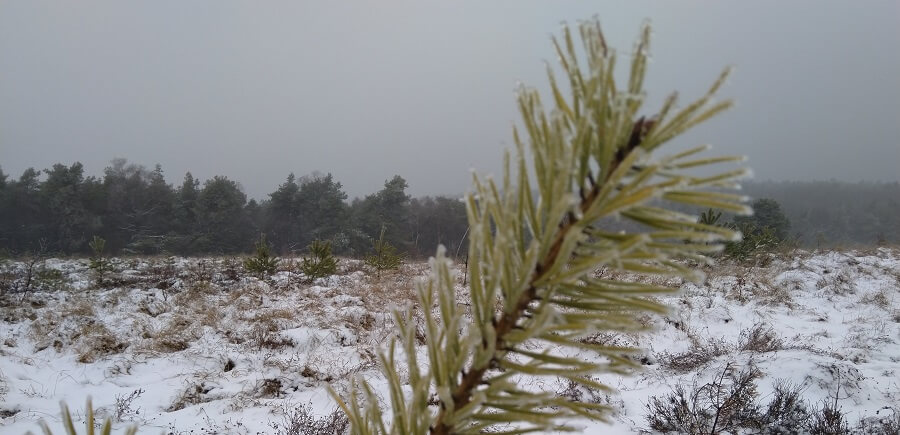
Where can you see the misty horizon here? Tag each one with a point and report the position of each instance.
(366, 91)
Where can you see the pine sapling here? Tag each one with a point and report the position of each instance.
(710, 217)
(98, 261)
(320, 263)
(384, 256)
(263, 263)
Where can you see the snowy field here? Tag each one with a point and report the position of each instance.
(195, 346)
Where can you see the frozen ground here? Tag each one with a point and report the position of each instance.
(194, 346)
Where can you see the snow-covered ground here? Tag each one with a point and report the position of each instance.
(195, 346)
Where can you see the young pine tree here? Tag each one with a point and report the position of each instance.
(98, 261)
(384, 255)
(710, 217)
(320, 263)
(534, 247)
(263, 263)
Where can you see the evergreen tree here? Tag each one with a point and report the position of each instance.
(767, 214)
(320, 262)
(184, 215)
(283, 215)
(263, 263)
(127, 216)
(99, 263)
(533, 252)
(387, 208)
(323, 212)
(384, 256)
(223, 226)
(24, 217)
(437, 221)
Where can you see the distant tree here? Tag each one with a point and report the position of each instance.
(388, 208)
(5, 212)
(128, 213)
(437, 221)
(323, 212)
(22, 217)
(254, 213)
(184, 216)
(766, 214)
(152, 236)
(222, 224)
(68, 221)
(283, 215)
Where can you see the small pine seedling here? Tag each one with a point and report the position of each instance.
(98, 262)
(384, 257)
(710, 217)
(263, 263)
(321, 262)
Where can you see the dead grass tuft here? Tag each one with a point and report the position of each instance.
(299, 420)
(312, 373)
(268, 388)
(701, 353)
(879, 299)
(193, 394)
(97, 341)
(274, 315)
(724, 405)
(760, 338)
(838, 284)
(81, 307)
(266, 335)
(176, 336)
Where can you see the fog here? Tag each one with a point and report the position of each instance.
(366, 90)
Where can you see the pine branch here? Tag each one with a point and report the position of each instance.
(532, 256)
(508, 321)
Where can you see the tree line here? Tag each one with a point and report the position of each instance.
(137, 211)
(59, 210)
(833, 213)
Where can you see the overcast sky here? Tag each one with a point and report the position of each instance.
(424, 89)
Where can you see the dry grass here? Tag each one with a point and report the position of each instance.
(838, 284)
(175, 336)
(266, 335)
(196, 293)
(80, 307)
(97, 341)
(879, 299)
(760, 338)
(387, 291)
(194, 393)
(274, 315)
(268, 388)
(699, 355)
(299, 420)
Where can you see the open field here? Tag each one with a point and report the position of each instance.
(198, 346)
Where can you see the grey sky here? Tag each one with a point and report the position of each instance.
(366, 89)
